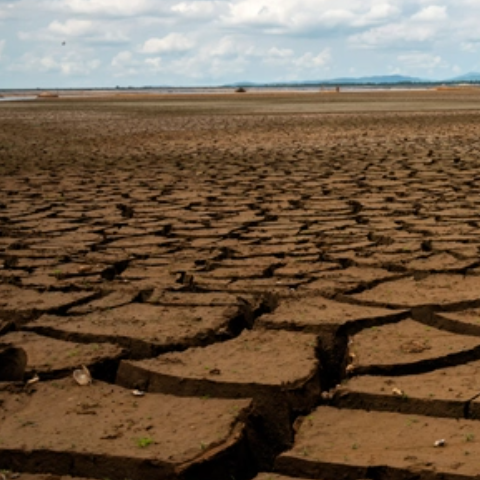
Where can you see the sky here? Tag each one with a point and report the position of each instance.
(109, 43)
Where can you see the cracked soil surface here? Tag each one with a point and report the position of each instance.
(263, 286)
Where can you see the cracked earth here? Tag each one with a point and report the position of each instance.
(292, 281)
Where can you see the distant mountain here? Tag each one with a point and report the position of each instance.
(468, 77)
(472, 77)
(375, 80)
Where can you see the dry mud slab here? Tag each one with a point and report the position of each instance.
(443, 392)
(409, 346)
(48, 357)
(279, 370)
(144, 328)
(290, 281)
(106, 431)
(361, 444)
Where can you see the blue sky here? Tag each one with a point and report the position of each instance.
(105, 43)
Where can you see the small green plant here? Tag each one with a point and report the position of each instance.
(355, 446)
(469, 437)
(144, 442)
(58, 274)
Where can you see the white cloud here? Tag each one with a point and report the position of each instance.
(311, 61)
(89, 31)
(71, 28)
(232, 47)
(2, 47)
(297, 16)
(376, 15)
(68, 65)
(230, 40)
(382, 11)
(122, 59)
(109, 8)
(199, 9)
(330, 17)
(467, 4)
(128, 64)
(275, 52)
(202, 66)
(421, 61)
(432, 13)
(394, 35)
(79, 68)
(235, 56)
(173, 42)
(249, 12)
(154, 63)
(6, 10)
(229, 47)
(470, 47)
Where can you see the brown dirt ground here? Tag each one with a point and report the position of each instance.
(292, 280)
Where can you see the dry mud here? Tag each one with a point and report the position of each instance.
(289, 283)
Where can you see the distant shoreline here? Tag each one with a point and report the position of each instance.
(288, 87)
(75, 92)
(150, 93)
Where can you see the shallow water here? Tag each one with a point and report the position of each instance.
(16, 99)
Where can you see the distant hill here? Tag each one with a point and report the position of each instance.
(468, 77)
(375, 80)
(472, 77)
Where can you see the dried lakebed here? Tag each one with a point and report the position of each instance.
(290, 284)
